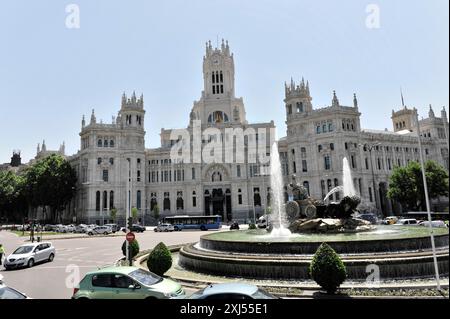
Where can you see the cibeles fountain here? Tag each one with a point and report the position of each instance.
(300, 226)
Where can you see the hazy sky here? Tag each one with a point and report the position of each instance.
(51, 75)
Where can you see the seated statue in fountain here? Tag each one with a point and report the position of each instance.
(299, 192)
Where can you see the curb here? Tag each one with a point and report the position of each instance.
(142, 257)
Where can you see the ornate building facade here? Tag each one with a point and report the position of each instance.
(316, 142)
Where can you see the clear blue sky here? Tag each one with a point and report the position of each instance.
(50, 75)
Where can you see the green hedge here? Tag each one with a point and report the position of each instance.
(327, 269)
(160, 259)
(133, 248)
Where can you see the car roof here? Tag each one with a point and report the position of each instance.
(237, 288)
(125, 270)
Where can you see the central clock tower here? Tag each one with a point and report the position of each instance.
(218, 72)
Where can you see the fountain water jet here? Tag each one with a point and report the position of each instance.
(349, 188)
(276, 184)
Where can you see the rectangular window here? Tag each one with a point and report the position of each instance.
(294, 167)
(366, 161)
(238, 171)
(370, 194)
(353, 162)
(193, 173)
(240, 199)
(304, 166)
(194, 201)
(138, 176)
(327, 162)
(105, 175)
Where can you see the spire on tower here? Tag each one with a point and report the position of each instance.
(431, 112)
(44, 147)
(38, 148)
(444, 114)
(355, 101)
(335, 101)
(403, 100)
(83, 122)
(93, 118)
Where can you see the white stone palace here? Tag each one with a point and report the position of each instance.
(317, 141)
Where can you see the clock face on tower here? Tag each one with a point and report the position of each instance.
(216, 62)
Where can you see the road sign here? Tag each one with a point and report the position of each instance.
(130, 237)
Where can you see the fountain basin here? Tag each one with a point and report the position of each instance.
(398, 252)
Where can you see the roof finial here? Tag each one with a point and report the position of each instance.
(403, 101)
(335, 101)
(355, 101)
(431, 112)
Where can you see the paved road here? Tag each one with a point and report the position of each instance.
(77, 256)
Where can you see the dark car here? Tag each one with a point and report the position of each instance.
(135, 229)
(234, 225)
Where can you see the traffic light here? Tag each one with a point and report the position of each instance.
(130, 223)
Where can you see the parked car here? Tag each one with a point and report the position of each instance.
(137, 228)
(70, 228)
(407, 221)
(164, 228)
(81, 228)
(126, 283)
(30, 254)
(114, 227)
(390, 220)
(99, 230)
(232, 291)
(49, 227)
(434, 223)
(234, 225)
(10, 293)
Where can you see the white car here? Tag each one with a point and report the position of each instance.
(99, 230)
(10, 293)
(30, 254)
(407, 222)
(434, 223)
(164, 228)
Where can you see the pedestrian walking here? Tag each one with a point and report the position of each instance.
(2, 252)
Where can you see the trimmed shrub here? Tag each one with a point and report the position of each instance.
(133, 248)
(251, 226)
(160, 259)
(327, 269)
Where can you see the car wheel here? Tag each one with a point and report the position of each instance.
(203, 228)
(90, 234)
(51, 257)
(151, 298)
(175, 228)
(166, 230)
(30, 263)
(155, 230)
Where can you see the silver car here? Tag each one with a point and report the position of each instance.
(10, 293)
(30, 254)
(99, 230)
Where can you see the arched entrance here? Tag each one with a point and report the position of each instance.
(218, 199)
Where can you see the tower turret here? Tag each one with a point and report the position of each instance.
(431, 113)
(218, 71)
(297, 98)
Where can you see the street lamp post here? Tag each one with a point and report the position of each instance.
(427, 200)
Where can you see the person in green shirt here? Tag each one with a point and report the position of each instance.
(2, 252)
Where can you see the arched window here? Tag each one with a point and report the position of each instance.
(111, 199)
(180, 203)
(97, 201)
(99, 143)
(336, 184)
(105, 200)
(138, 200)
(105, 143)
(289, 107)
(111, 143)
(166, 204)
(319, 148)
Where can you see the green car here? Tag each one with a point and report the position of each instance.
(126, 283)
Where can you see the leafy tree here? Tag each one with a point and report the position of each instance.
(160, 259)
(113, 213)
(156, 211)
(13, 205)
(406, 184)
(133, 248)
(50, 182)
(327, 269)
(134, 213)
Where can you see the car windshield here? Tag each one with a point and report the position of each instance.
(8, 293)
(23, 250)
(261, 294)
(145, 277)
